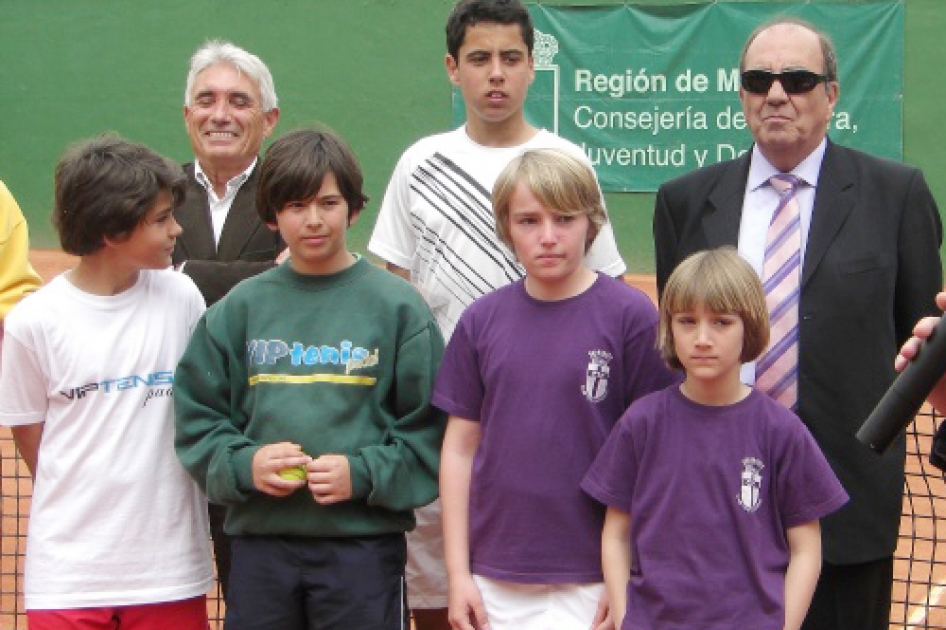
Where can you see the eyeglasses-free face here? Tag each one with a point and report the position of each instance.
(792, 81)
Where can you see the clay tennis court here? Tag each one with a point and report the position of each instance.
(920, 570)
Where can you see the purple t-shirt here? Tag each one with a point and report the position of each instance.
(547, 381)
(711, 491)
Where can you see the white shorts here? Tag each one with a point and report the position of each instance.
(426, 573)
(513, 606)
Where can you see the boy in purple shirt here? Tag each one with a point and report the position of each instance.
(534, 378)
(714, 490)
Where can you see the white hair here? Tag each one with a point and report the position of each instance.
(220, 51)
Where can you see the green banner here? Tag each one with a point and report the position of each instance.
(651, 92)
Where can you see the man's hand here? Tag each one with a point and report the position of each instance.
(330, 479)
(921, 333)
(270, 460)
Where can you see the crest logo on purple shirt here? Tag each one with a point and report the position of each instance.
(596, 375)
(749, 494)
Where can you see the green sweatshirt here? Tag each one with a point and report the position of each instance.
(339, 364)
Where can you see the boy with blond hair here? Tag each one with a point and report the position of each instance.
(712, 476)
(534, 377)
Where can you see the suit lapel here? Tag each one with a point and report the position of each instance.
(194, 217)
(721, 224)
(834, 200)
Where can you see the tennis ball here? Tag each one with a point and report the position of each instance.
(296, 473)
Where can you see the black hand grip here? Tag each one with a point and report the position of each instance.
(906, 395)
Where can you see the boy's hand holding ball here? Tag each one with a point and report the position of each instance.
(280, 469)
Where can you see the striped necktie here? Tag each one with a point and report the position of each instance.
(777, 369)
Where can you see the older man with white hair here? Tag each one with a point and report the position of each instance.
(230, 107)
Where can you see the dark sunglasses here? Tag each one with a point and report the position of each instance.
(792, 81)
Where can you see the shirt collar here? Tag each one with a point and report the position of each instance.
(761, 170)
(232, 185)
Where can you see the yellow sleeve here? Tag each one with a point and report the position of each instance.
(17, 277)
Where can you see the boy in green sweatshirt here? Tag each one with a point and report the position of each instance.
(303, 405)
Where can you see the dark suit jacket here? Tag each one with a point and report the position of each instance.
(247, 247)
(871, 270)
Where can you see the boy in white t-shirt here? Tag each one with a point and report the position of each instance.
(118, 535)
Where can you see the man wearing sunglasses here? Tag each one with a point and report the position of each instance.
(865, 267)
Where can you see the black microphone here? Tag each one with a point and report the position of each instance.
(906, 394)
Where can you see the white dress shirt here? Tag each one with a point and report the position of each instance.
(220, 206)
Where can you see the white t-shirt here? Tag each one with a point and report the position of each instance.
(436, 221)
(115, 519)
